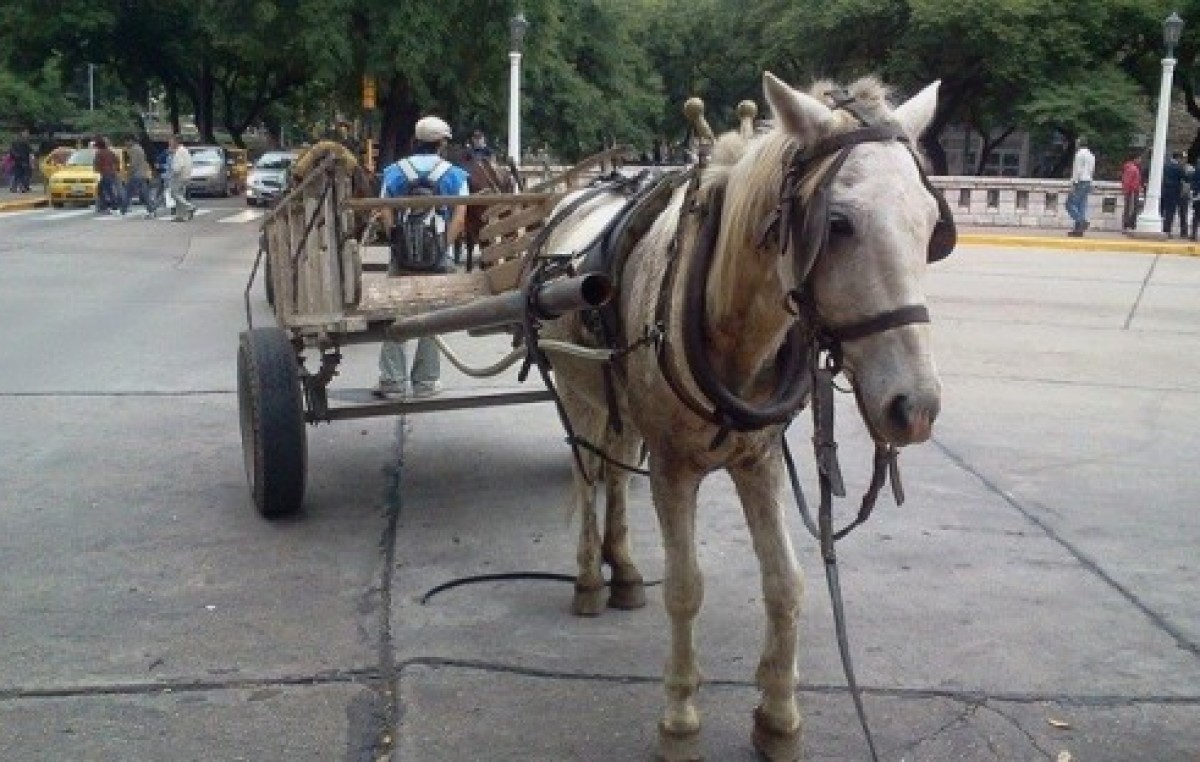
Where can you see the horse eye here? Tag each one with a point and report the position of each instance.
(840, 225)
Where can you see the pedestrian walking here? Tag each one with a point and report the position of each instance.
(181, 173)
(22, 163)
(1172, 188)
(1081, 186)
(1131, 188)
(109, 194)
(139, 175)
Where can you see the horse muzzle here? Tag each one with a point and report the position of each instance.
(908, 418)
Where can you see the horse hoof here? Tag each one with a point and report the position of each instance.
(678, 747)
(627, 595)
(773, 745)
(588, 602)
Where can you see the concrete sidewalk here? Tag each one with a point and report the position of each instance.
(14, 202)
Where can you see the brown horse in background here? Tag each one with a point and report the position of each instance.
(484, 175)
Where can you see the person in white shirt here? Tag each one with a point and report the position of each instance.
(1081, 186)
(181, 172)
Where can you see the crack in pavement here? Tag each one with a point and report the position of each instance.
(373, 676)
(1087, 562)
(1014, 722)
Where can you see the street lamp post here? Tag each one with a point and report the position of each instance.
(1149, 222)
(517, 27)
(91, 87)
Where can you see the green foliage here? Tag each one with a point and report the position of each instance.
(594, 71)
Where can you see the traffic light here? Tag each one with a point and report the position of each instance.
(368, 91)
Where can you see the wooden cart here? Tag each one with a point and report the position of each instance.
(324, 297)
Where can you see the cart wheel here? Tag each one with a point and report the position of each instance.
(271, 407)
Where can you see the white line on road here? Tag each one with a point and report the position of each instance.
(70, 213)
(249, 215)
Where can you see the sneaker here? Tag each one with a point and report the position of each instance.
(423, 391)
(386, 389)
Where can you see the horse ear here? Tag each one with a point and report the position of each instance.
(915, 114)
(798, 114)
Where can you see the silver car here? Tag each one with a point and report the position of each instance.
(267, 180)
(210, 171)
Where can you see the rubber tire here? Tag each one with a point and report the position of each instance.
(57, 204)
(271, 409)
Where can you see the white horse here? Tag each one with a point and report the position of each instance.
(885, 216)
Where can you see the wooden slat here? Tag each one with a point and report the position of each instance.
(504, 276)
(514, 222)
(567, 177)
(506, 249)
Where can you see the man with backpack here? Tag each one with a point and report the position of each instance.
(420, 244)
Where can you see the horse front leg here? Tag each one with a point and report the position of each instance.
(674, 487)
(777, 721)
(626, 588)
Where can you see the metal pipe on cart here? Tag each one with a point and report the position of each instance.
(549, 300)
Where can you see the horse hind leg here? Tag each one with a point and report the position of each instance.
(777, 722)
(588, 599)
(627, 589)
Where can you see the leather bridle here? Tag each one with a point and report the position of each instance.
(801, 223)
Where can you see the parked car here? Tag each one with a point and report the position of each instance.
(55, 160)
(268, 178)
(211, 174)
(76, 181)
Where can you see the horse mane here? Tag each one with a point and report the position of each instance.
(751, 169)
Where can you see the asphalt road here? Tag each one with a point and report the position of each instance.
(1036, 595)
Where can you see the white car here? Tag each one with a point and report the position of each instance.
(267, 180)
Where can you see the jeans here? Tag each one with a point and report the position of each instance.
(393, 362)
(393, 365)
(1077, 203)
(21, 176)
(110, 194)
(1130, 213)
(183, 207)
(1167, 207)
(140, 187)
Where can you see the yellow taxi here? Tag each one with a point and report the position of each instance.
(76, 181)
(239, 167)
(54, 161)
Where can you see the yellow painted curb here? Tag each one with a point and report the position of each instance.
(24, 203)
(1083, 244)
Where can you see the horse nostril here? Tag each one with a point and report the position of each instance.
(900, 412)
(911, 417)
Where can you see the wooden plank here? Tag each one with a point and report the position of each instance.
(514, 247)
(566, 178)
(523, 219)
(424, 202)
(504, 276)
(390, 297)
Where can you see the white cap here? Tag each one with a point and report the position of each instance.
(430, 129)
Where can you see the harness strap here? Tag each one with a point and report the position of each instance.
(901, 316)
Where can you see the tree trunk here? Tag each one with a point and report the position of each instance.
(398, 113)
(204, 105)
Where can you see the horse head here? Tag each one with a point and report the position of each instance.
(856, 222)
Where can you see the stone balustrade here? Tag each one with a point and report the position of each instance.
(1001, 202)
(1016, 202)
